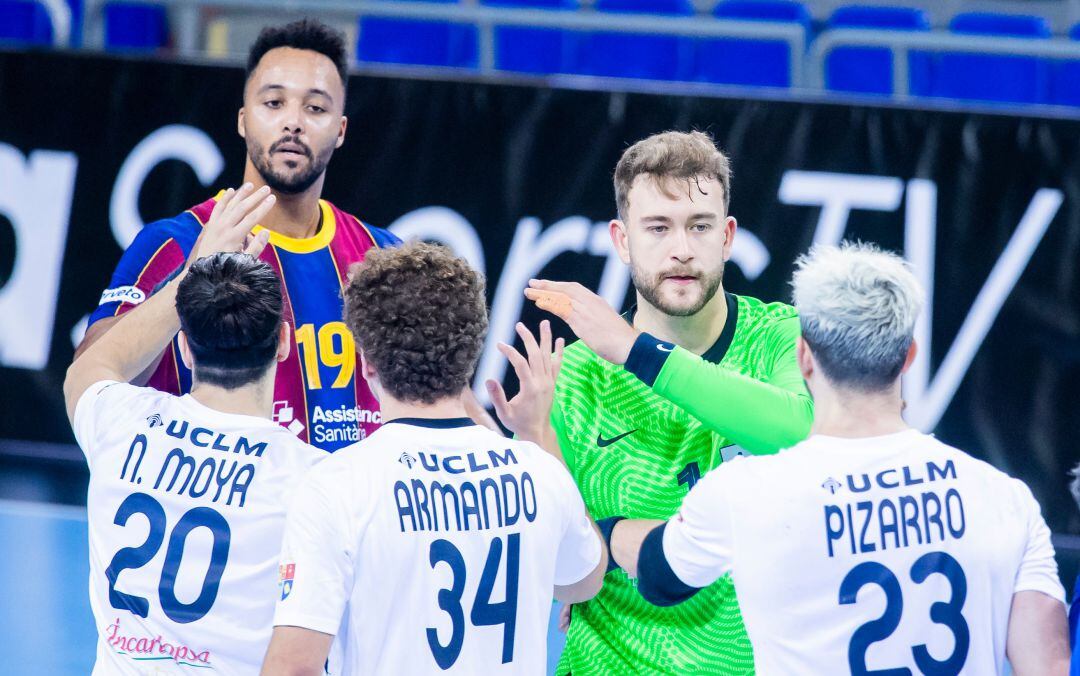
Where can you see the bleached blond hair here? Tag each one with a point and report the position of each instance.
(857, 306)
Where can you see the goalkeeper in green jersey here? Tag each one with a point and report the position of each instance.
(647, 404)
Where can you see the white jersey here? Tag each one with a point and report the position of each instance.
(186, 511)
(438, 543)
(887, 553)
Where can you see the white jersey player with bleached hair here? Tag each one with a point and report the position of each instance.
(187, 495)
(869, 548)
(435, 545)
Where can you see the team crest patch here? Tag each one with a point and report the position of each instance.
(285, 581)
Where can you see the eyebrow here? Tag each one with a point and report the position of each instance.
(313, 90)
(703, 215)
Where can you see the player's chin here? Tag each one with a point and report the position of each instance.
(682, 305)
(289, 166)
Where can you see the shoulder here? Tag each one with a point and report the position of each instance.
(116, 401)
(184, 229)
(757, 313)
(381, 237)
(767, 323)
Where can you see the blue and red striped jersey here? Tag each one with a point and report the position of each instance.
(318, 394)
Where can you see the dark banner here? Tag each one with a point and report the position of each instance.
(518, 180)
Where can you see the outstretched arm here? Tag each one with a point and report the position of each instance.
(762, 417)
(139, 337)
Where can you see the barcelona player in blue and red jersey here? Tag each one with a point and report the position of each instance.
(292, 120)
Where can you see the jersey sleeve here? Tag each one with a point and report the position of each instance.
(698, 541)
(579, 549)
(316, 571)
(761, 416)
(104, 402)
(384, 238)
(150, 260)
(1038, 569)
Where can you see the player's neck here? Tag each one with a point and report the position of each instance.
(857, 415)
(256, 399)
(696, 333)
(295, 216)
(394, 409)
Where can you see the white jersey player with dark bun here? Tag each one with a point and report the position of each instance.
(869, 548)
(435, 545)
(187, 495)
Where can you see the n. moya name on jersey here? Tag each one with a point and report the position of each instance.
(213, 477)
(916, 518)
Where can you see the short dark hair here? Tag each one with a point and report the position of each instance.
(309, 34)
(419, 314)
(230, 309)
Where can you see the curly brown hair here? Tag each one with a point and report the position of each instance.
(418, 313)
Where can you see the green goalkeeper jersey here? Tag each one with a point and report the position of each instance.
(637, 437)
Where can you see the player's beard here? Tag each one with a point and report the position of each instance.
(649, 288)
(293, 183)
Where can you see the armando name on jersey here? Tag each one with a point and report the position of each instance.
(495, 501)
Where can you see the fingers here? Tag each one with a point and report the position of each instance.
(221, 203)
(260, 209)
(521, 366)
(536, 358)
(556, 358)
(555, 302)
(498, 399)
(545, 337)
(257, 243)
(247, 201)
(572, 289)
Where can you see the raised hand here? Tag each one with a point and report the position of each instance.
(528, 414)
(588, 315)
(229, 226)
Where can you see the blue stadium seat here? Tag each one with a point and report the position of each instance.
(417, 42)
(740, 61)
(868, 70)
(637, 55)
(1065, 78)
(991, 77)
(24, 22)
(534, 50)
(135, 26)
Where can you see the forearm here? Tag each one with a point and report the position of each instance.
(1037, 642)
(638, 547)
(759, 417)
(626, 539)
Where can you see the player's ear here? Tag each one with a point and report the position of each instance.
(730, 226)
(912, 350)
(240, 122)
(367, 370)
(804, 357)
(185, 351)
(284, 342)
(619, 238)
(341, 132)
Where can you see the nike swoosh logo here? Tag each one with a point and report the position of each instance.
(664, 348)
(602, 442)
